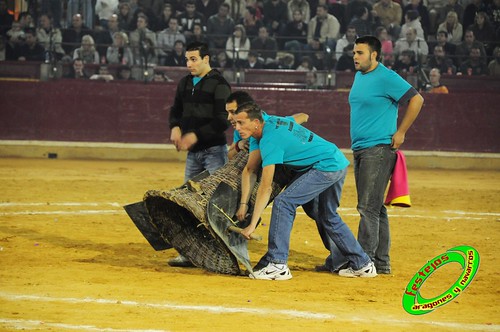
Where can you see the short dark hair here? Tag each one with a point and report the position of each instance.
(252, 109)
(240, 97)
(373, 44)
(199, 46)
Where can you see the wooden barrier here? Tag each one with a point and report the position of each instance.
(135, 112)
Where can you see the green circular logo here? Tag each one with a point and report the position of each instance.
(466, 256)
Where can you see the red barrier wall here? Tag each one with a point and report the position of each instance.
(96, 111)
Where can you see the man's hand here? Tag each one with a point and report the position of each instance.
(175, 137)
(242, 212)
(247, 231)
(397, 139)
(187, 141)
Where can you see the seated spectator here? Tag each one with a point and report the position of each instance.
(176, 57)
(406, 63)
(207, 7)
(484, 31)
(26, 21)
(284, 61)
(160, 76)
(103, 10)
(30, 50)
(237, 9)
(442, 40)
(3, 56)
(84, 8)
(435, 85)
(253, 61)
(412, 20)
(494, 65)
(77, 70)
(125, 17)
(149, 56)
(345, 62)
(463, 49)
(189, 17)
(50, 38)
(348, 39)
(387, 47)
(362, 21)
(390, 15)
(238, 45)
(423, 13)
(275, 17)
(266, 47)
(470, 12)
(72, 37)
(474, 65)
(104, 38)
(251, 23)
(87, 51)
(440, 61)
(219, 27)
(453, 27)
(164, 19)
(138, 39)
(119, 52)
(15, 35)
(222, 61)
(167, 38)
(312, 80)
(295, 34)
(198, 35)
(301, 6)
(102, 74)
(412, 42)
(124, 73)
(323, 30)
(451, 6)
(306, 64)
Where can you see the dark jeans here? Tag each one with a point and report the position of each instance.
(372, 170)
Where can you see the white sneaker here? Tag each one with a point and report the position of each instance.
(368, 271)
(272, 272)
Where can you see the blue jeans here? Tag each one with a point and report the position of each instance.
(372, 170)
(321, 189)
(210, 159)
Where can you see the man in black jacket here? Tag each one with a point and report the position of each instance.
(198, 118)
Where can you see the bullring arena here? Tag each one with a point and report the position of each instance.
(71, 258)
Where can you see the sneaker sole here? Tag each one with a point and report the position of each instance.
(278, 277)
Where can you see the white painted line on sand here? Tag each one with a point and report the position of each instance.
(23, 324)
(257, 311)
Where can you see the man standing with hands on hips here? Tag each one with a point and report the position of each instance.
(375, 137)
(198, 118)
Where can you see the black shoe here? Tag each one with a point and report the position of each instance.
(322, 268)
(180, 261)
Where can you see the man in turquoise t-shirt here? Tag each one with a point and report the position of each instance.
(375, 136)
(321, 169)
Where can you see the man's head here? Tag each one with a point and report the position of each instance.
(224, 10)
(350, 33)
(142, 22)
(77, 21)
(113, 23)
(321, 12)
(198, 59)
(442, 37)
(249, 120)
(236, 99)
(263, 33)
(469, 37)
(411, 35)
(434, 76)
(78, 65)
(366, 53)
(439, 52)
(190, 8)
(173, 24)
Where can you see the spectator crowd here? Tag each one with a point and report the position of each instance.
(457, 37)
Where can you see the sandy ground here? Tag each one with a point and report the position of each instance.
(71, 259)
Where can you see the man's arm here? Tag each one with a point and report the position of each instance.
(263, 196)
(300, 118)
(414, 107)
(248, 179)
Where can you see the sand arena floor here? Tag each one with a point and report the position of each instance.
(71, 259)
